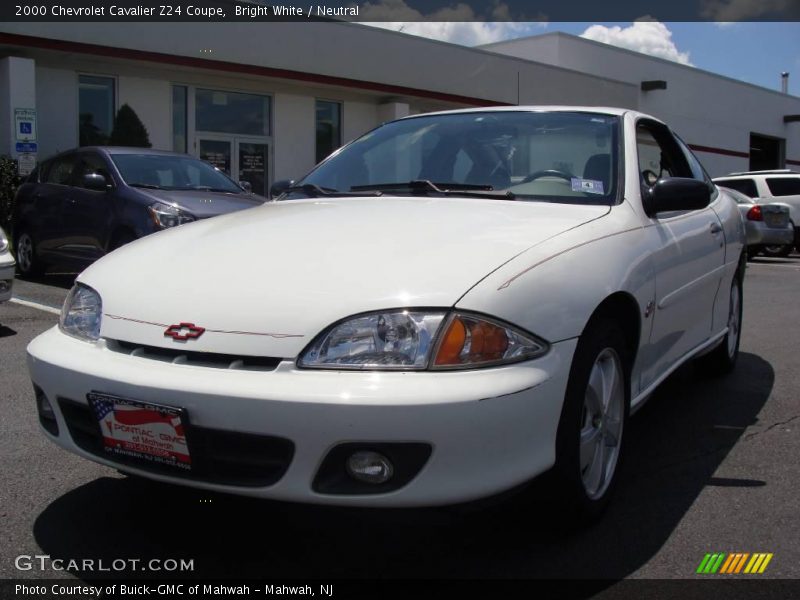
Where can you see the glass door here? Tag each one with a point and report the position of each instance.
(217, 151)
(252, 161)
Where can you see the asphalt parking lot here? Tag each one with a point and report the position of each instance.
(711, 467)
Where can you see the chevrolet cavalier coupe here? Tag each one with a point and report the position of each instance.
(442, 310)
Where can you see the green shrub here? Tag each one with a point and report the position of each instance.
(9, 182)
(129, 129)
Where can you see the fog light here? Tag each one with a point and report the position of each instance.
(4, 286)
(45, 410)
(369, 467)
(47, 416)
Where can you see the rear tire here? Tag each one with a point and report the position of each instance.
(28, 262)
(589, 442)
(778, 251)
(781, 251)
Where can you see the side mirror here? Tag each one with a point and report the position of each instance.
(676, 193)
(95, 181)
(277, 188)
(245, 185)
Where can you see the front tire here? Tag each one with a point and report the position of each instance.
(589, 442)
(28, 262)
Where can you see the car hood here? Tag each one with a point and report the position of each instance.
(265, 282)
(204, 204)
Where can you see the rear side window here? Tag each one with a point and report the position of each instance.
(784, 186)
(745, 186)
(60, 171)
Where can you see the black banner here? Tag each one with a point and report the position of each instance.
(415, 589)
(398, 10)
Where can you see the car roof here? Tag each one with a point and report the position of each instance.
(118, 150)
(751, 174)
(608, 110)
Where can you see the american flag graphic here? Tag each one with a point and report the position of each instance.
(133, 427)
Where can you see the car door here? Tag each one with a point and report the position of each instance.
(87, 213)
(45, 216)
(688, 259)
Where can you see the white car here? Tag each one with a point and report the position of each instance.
(442, 310)
(7, 265)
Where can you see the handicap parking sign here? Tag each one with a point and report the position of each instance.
(25, 120)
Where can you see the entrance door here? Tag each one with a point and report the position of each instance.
(241, 158)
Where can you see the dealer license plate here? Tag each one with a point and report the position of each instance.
(142, 431)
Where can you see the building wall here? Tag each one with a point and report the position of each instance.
(57, 109)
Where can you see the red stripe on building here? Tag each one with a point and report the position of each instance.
(219, 65)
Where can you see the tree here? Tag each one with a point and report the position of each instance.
(129, 129)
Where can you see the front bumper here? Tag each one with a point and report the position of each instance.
(6, 280)
(489, 429)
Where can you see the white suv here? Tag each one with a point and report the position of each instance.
(770, 186)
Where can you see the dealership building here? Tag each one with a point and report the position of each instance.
(266, 101)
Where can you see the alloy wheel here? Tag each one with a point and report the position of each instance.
(601, 423)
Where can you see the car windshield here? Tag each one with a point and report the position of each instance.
(162, 171)
(551, 156)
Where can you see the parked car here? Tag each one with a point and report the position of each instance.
(82, 204)
(449, 306)
(766, 224)
(780, 185)
(6, 268)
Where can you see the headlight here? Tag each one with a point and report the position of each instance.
(3, 242)
(166, 215)
(417, 340)
(82, 313)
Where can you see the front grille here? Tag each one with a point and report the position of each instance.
(224, 457)
(180, 356)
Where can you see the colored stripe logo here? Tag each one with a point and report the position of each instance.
(734, 563)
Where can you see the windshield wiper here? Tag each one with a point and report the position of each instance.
(148, 186)
(314, 191)
(423, 186)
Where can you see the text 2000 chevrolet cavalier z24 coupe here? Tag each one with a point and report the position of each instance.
(442, 310)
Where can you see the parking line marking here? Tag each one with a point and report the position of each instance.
(36, 305)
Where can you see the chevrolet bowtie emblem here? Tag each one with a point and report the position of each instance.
(184, 331)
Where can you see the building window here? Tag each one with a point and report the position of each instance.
(96, 105)
(329, 128)
(179, 118)
(232, 112)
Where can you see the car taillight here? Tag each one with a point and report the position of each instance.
(754, 214)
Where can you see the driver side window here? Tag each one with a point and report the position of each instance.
(660, 156)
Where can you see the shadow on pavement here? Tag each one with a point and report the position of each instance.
(61, 280)
(6, 331)
(675, 444)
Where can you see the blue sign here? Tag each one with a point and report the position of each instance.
(27, 147)
(26, 127)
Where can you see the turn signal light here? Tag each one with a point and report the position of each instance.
(471, 341)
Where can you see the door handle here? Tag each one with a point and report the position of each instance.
(715, 228)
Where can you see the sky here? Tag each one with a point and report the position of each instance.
(755, 52)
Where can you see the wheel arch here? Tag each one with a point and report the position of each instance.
(623, 309)
(119, 232)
